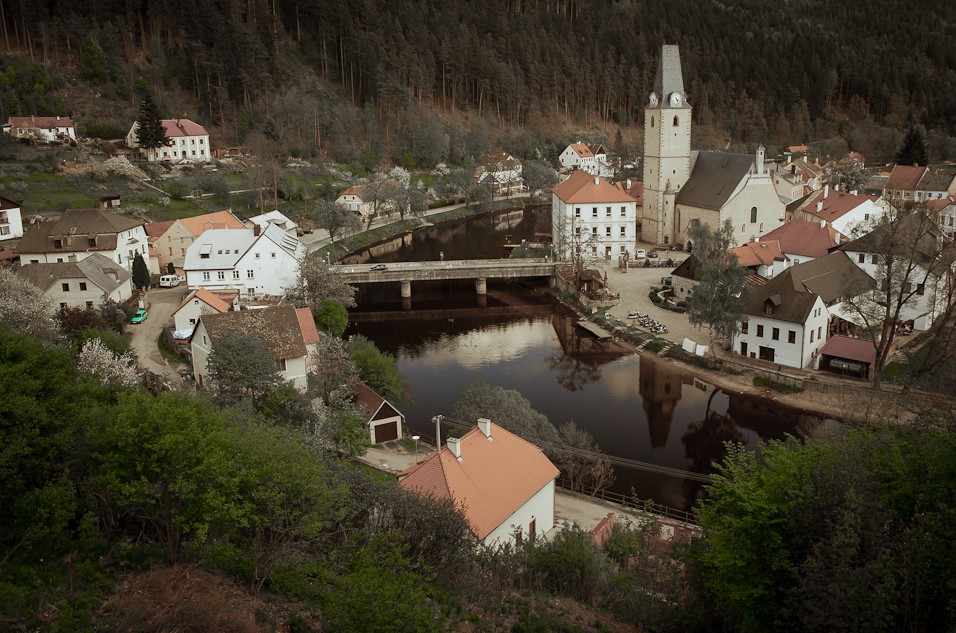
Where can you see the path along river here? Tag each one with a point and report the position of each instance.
(636, 407)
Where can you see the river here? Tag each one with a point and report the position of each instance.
(519, 338)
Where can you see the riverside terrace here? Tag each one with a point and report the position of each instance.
(478, 269)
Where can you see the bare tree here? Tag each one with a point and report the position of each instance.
(316, 283)
(335, 218)
(575, 243)
(270, 157)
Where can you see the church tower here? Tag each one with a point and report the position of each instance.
(666, 148)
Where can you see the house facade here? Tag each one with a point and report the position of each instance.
(804, 240)
(251, 262)
(503, 174)
(944, 210)
(196, 304)
(272, 217)
(589, 212)
(82, 284)
(278, 328)
(189, 141)
(504, 484)
(174, 238)
(367, 200)
(45, 129)
(11, 222)
(589, 158)
(79, 233)
(848, 213)
(915, 184)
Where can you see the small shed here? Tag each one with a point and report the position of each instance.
(384, 422)
(846, 355)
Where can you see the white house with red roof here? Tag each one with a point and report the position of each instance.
(196, 304)
(589, 158)
(383, 421)
(944, 210)
(802, 240)
(11, 222)
(913, 184)
(762, 256)
(174, 237)
(503, 484)
(504, 174)
(189, 142)
(590, 212)
(848, 213)
(45, 129)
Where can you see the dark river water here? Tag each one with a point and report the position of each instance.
(519, 338)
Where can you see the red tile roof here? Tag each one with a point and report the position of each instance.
(938, 205)
(183, 127)
(636, 190)
(850, 349)
(218, 220)
(803, 237)
(209, 298)
(495, 477)
(42, 122)
(310, 333)
(157, 229)
(583, 188)
(836, 203)
(583, 150)
(905, 177)
(759, 253)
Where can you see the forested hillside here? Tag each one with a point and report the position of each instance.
(776, 73)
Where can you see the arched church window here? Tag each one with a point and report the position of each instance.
(761, 227)
(676, 121)
(652, 121)
(753, 214)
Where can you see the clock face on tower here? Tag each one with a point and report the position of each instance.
(653, 100)
(675, 99)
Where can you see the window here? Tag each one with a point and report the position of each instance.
(920, 288)
(624, 213)
(760, 331)
(593, 230)
(676, 121)
(83, 286)
(577, 212)
(652, 121)
(202, 141)
(221, 275)
(57, 243)
(577, 230)
(607, 231)
(63, 306)
(775, 334)
(204, 341)
(92, 241)
(792, 336)
(89, 305)
(250, 274)
(623, 249)
(257, 255)
(761, 227)
(273, 255)
(607, 212)
(743, 228)
(235, 274)
(205, 276)
(66, 287)
(753, 214)
(623, 231)
(811, 336)
(282, 365)
(820, 332)
(861, 258)
(593, 212)
(744, 327)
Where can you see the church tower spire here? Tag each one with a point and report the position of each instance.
(667, 120)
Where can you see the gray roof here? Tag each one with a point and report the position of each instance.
(669, 78)
(936, 180)
(278, 329)
(99, 270)
(223, 248)
(75, 228)
(714, 179)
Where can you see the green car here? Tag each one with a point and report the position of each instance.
(140, 316)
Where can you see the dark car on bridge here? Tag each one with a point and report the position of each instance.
(379, 267)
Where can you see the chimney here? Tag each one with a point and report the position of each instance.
(757, 239)
(454, 445)
(836, 238)
(628, 184)
(256, 229)
(485, 425)
(823, 224)
(826, 190)
(597, 180)
(819, 206)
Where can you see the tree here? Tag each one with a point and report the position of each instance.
(316, 284)
(111, 369)
(575, 244)
(915, 147)
(150, 133)
(539, 176)
(332, 369)
(579, 467)
(241, 367)
(333, 318)
(376, 368)
(94, 63)
(716, 299)
(141, 278)
(24, 308)
(909, 274)
(847, 175)
(335, 219)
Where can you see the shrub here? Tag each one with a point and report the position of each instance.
(571, 564)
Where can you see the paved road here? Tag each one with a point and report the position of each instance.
(145, 335)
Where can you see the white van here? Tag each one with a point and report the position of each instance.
(169, 281)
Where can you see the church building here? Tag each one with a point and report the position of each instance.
(683, 187)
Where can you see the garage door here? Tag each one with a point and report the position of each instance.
(386, 432)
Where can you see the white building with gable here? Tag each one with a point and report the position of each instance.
(189, 142)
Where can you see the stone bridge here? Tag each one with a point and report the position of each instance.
(478, 269)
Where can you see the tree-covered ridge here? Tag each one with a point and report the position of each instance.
(755, 68)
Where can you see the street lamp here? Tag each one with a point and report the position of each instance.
(416, 438)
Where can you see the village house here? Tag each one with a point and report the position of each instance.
(189, 141)
(196, 304)
(503, 174)
(503, 483)
(174, 238)
(11, 222)
(82, 284)
(763, 257)
(43, 129)
(382, 420)
(589, 212)
(252, 262)
(848, 213)
(914, 184)
(804, 240)
(275, 217)
(682, 187)
(369, 199)
(286, 331)
(590, 158)
(944, 210)
(79, 233)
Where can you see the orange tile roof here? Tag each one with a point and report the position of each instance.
(803, 237)
(636, 191)
(836, 203)
(580, 187)
(156, 229)
(494, 478)
(209, 298)
(310, 333)
(939, 204)
(583, 150)
(905, 177)
(42, 122)
(218, 220)
(183, 127)
(759, 253)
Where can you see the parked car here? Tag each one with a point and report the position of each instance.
(140, 316)
(170, 281)
(378, 267)
(640, 253)
(667, 281)
(677, 246)
(652, 254)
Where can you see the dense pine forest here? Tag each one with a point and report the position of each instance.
(381, 76)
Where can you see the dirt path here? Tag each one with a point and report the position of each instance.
(163, 301)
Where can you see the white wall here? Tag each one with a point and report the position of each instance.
(799, 354)
(540, 507)
(11, 224)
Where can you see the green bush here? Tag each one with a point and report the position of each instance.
(104, 130)
(570, 564)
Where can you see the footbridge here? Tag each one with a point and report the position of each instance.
(480, 270)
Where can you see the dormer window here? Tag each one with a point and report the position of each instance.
(57, 243)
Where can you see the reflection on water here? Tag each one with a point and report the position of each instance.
(639, 408)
